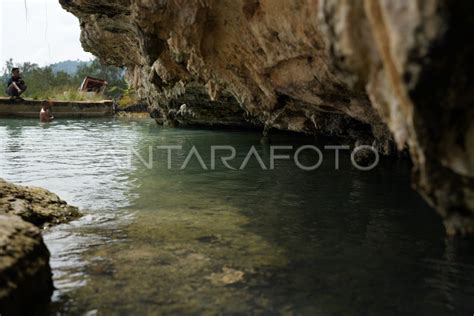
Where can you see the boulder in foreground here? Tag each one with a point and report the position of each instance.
(25, 274)
(35, 205)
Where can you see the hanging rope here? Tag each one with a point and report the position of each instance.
(46, 29)
(26, 15)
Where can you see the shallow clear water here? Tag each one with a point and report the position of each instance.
(193, 241)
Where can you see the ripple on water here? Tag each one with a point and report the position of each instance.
(251, 241)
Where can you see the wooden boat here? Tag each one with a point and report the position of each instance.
(60, 109)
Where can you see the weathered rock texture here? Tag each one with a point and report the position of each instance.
(35, 205)
(373, 71)
(25, 274)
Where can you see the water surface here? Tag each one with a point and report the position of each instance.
(193, 241)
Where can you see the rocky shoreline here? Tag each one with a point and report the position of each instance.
(25, 274)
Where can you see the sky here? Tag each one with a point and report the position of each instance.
(44, 33)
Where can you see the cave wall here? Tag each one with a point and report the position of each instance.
(377, 72)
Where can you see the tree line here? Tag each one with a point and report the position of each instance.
(45, 83)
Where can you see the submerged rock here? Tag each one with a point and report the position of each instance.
(227, 276)
(35, 205)
(371, 71)
(25, 274)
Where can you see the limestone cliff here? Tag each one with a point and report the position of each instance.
(381, 72)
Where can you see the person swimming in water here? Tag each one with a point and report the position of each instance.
(45, 114)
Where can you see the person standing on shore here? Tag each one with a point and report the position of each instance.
(45, 113)
(15, 86)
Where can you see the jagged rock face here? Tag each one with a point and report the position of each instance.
(25, 275)
(375, 71)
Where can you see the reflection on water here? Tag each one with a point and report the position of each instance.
(253, 241)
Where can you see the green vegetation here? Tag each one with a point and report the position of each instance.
(128, 97)
(50, 83)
